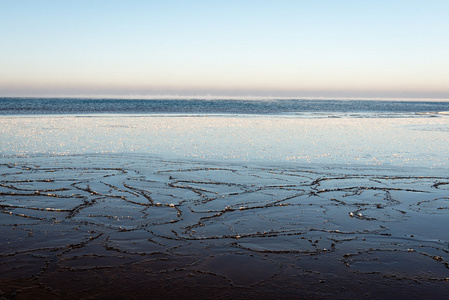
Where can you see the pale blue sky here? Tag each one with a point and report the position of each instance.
(250, 48)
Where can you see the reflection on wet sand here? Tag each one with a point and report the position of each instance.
(102, 226)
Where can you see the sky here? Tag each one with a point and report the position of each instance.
(137, 48)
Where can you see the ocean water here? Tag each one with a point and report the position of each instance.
(36, 106)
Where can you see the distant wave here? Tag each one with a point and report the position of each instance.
(294, 107)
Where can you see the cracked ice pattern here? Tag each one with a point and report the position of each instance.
(78, 226)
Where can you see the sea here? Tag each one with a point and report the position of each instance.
(39, 106)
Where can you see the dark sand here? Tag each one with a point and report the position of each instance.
(122, 226)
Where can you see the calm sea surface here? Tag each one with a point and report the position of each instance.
(30, 106)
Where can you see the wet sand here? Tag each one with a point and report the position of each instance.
(134, 226)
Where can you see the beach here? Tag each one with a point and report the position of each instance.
(224, 150)
(332, 205)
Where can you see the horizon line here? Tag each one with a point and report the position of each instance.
(224, 97)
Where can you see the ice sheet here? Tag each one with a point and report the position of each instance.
(415, 142)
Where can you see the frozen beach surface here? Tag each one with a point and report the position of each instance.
(224, 206)
(334, 139)
(129, 225)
